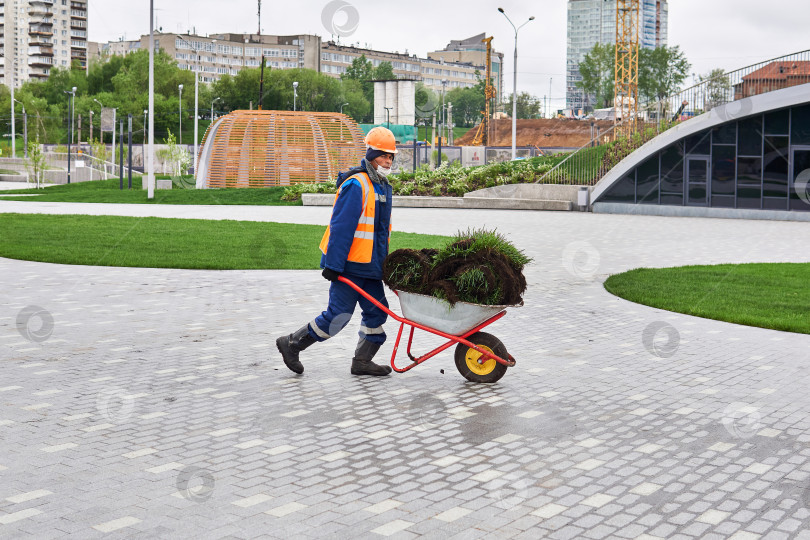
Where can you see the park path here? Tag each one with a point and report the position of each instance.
(153, 403)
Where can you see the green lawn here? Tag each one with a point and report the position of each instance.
(171, 243)
(108, 191)
(766, 295)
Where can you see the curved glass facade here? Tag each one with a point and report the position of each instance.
(760, 162)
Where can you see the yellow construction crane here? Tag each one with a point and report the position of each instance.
(482, 134)
(626, 76)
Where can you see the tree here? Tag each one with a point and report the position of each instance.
(122, 83)
(528, 106)
(316, 91)
(718, 87)
(174, 154)
(661, 72)
(358, 106)
(35, 164)
(598, 74)
(467, 105)
(384, 72)
(100, 74)
(100, 151)
(363, 71)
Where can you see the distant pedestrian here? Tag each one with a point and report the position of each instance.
(355, 245)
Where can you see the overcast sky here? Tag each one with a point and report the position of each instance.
(713, 33)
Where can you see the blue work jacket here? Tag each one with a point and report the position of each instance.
(345, 215)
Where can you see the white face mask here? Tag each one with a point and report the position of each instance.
(382, 171)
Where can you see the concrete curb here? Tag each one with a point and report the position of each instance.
(485, 203)
(698, 211)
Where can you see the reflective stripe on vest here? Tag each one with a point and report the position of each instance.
(363, 243)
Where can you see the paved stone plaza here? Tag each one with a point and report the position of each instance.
(151, 403)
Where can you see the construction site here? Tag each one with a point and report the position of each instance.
(541, 132)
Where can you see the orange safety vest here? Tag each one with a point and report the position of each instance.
(363, 244)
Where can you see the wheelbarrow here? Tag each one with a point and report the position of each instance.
(480, 357)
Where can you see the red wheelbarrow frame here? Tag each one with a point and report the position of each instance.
(485, 355)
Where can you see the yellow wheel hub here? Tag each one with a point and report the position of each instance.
(472, 358)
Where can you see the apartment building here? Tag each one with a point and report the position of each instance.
(336, 59)
(219, 54)
(40, 34)
(473, 50)
(594, 21)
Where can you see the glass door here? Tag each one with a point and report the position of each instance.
(697, 176)
(800, 178)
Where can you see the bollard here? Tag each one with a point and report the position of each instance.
(582, 198)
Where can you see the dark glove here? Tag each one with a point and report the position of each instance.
(330, 274)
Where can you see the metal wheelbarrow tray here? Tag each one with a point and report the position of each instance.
(479, 356)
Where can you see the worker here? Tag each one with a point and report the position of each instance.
(354, 245)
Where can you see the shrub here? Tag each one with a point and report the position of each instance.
(451, 179)
(293, 192)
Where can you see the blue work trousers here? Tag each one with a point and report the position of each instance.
(342, 301)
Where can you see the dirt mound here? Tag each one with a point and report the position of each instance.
(479, 267)
(542, 132)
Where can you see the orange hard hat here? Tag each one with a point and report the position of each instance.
(380, 138)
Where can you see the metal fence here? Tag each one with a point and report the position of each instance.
(588, 164)
(466, 156)
(105, 169)
(726, 87)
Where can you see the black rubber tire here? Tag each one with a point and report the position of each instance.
(487, 340)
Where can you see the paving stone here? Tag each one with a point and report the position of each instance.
(158, 406)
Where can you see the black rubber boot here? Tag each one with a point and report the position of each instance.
(362, 364)
(290, 346)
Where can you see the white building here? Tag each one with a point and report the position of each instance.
(594, 21)
(40, 34)
(220, 54)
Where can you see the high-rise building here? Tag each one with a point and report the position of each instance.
(40, 34)
(594, 21)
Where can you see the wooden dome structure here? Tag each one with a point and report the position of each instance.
(277, 148)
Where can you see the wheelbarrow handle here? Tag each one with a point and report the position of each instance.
(370, 298)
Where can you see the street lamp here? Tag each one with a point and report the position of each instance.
(388, 116)
(442, 117)
(25, 128)
(341, 107)
(72, 93)
(145, 112)
(180, 89)
(91, 128)
(212, 113)
(441, 125)
(295, 93)
(514, 82)
(13, 132)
